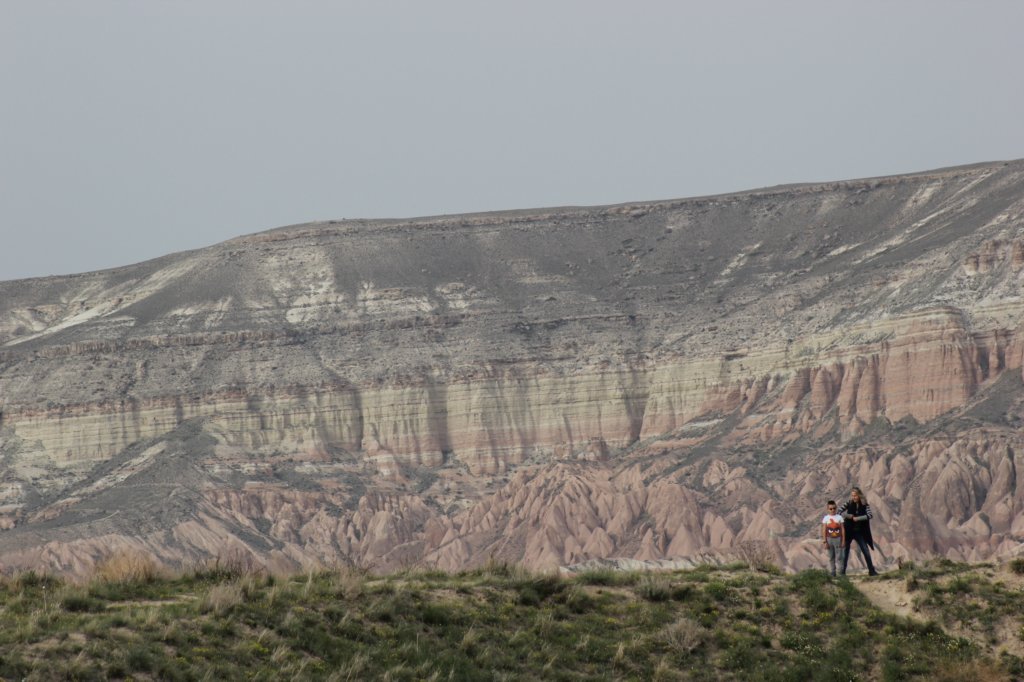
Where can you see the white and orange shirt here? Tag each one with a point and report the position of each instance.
(833, 526)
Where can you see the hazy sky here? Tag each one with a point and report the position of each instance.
(134, 128)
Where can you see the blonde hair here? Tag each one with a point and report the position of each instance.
(860, 494)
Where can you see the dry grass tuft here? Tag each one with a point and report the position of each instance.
(232, 563)
(757, 555)
(665, 671)
(495, 568)
(620, 655)
(249, 585)
(221, 598)
(470, 640)
(129, 566)
(347, 582)
(280, 653)
(971, 671)
(654, 588)
(356, 668)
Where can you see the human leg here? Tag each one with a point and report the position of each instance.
(867, 558)
(866, 553)
(835, 553)
(846, 554)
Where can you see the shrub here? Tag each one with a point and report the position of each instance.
(818, 600)
(960, 585)
(684, 636)
(528, 596)
(33, 579)
(140, 659)
(739, 657)
(348, 583)
(758, 556)
(807, 643)
(1014, 665)
(813, 577)
(577, 599)
(437, 614)
(116, 670)
(606, 576)
(14, 666)
(682, 592)
(504, 569)
(230, 564)
(717, 590)
(537, 588)
(28, 579)
(1017, 566)
(80, 603)
(383, 610)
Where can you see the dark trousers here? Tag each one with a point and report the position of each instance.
(863, 551)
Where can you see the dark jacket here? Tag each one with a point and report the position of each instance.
(857, 529)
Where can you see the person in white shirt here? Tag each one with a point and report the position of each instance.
(833, 536)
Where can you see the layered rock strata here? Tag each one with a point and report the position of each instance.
(443, 390)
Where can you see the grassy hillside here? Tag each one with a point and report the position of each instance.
(506, 624)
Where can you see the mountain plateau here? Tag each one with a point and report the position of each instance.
(663, 381)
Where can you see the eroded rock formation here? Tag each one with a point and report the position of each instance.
(663, 380)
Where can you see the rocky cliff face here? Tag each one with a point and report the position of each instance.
(663, 380)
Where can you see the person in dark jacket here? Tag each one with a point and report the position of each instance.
(856, 513)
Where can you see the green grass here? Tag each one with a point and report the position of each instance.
(498, 622)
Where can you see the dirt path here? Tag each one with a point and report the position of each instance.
(893, 597)
(889, 595)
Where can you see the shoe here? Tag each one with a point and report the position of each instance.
(872, 573)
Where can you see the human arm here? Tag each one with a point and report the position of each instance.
(866, 515)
